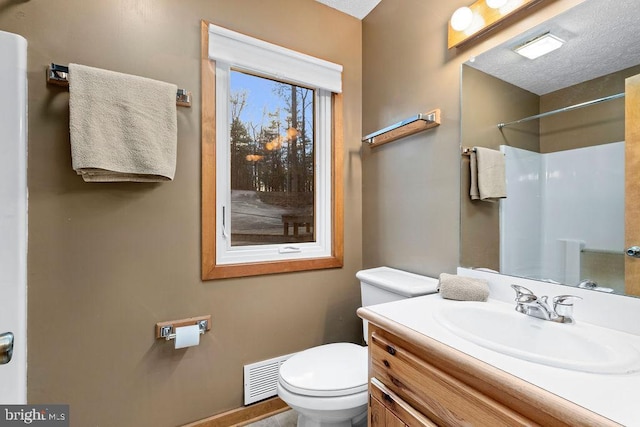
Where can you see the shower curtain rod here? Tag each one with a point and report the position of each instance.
(564, 109)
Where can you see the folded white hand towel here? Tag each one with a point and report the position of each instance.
(461, 288)
(488, 181)
(122, 127)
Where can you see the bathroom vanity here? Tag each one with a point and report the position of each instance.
(422, 374)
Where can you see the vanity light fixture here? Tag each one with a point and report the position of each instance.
(539, 46)
(461, 19)
(470, 22)
(496, 4)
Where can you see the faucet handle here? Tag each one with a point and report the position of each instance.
(523, 295)
(563, 306)
(588, 284)
(562, 299)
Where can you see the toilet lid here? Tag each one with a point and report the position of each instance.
(329, 370)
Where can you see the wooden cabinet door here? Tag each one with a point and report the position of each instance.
(386, 409)
(632, 183)
(380, 416)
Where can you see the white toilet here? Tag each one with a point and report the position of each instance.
(327, 385)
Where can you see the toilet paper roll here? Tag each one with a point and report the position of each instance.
(187, 336)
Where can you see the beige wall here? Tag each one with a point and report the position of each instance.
(108, 261)
(411, 188)
(598, 124)
(487, 101)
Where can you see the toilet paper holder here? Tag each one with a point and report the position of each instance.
(167, 330)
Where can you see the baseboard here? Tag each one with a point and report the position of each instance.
(244, 415)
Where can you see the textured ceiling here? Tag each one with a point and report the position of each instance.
(602, 36)
(357, 8)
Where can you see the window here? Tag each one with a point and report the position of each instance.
(271, 158)
(271, 161)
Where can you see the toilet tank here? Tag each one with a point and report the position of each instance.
(384, 284)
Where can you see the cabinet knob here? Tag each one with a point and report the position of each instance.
(391, 350)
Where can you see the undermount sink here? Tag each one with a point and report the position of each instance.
(579, 347)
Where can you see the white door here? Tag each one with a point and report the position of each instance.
(13, 217)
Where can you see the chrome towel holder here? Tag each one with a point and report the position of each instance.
(58, 75)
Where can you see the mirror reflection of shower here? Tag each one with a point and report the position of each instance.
(563, 220)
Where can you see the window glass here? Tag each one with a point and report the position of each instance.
(272, 167)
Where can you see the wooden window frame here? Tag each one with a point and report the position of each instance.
(210, 268)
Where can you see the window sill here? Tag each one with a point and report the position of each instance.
(273, 267)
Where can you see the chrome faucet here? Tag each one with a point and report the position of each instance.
(528, 303)
(590, 284)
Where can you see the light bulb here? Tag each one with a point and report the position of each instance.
(461, 19)
(496, 4)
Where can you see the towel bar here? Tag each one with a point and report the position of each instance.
(59, 75)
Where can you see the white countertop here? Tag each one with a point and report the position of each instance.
(612, 396)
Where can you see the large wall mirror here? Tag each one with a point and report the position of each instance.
(563, 220)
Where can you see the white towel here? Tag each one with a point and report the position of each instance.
(462, 288)
(488, 182)
(122, 127)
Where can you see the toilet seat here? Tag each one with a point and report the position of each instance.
(329, 370)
